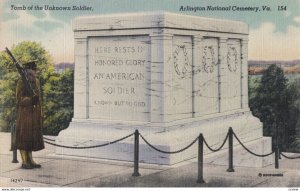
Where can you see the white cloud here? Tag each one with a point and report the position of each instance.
(10, 30)
(59, 42)
(266, 44)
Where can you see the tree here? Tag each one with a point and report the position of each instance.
(58, 99)
(273, 105)
(294, 88)
(253, 82)
(23, 52)
(56, 89)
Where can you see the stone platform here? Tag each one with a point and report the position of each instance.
(168, 139)
(67, 171)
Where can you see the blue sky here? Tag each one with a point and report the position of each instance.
(274, 35)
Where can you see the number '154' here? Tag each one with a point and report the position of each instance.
(281, 8)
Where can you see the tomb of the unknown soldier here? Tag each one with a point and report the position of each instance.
(169, 76)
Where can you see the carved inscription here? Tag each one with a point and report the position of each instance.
(118, 78)
(208, 59)
(119, 49)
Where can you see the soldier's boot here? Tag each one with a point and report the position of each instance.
(25, 160)
(31, 161)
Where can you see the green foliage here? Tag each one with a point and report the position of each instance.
(23, 52)
(273, 103)
(7, 101)
(57, 89)
(295, 97)
(58, 102)
(254, 82)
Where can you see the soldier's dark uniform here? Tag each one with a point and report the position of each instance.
(29, 135)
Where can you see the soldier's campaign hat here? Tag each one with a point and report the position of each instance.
(30, 65)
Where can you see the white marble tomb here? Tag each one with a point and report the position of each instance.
(170, 76)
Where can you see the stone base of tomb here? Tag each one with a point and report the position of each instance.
(169, 137)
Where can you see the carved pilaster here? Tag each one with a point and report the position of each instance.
(81, 78)
(222, 67)
(244, 73)
(196, 66)
(161, 47)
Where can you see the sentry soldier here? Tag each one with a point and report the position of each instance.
(29, 135)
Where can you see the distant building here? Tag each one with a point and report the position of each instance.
(266, 64)
(258, 66)
(60, 67)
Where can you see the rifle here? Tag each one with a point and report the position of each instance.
(23, 74)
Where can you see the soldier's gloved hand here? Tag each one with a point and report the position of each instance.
(35, 99)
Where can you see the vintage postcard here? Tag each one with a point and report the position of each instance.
(149, 93)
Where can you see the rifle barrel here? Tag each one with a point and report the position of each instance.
(22, 72)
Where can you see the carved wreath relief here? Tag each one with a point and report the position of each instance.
(208, 59)
(181, 67)
(232, 60)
